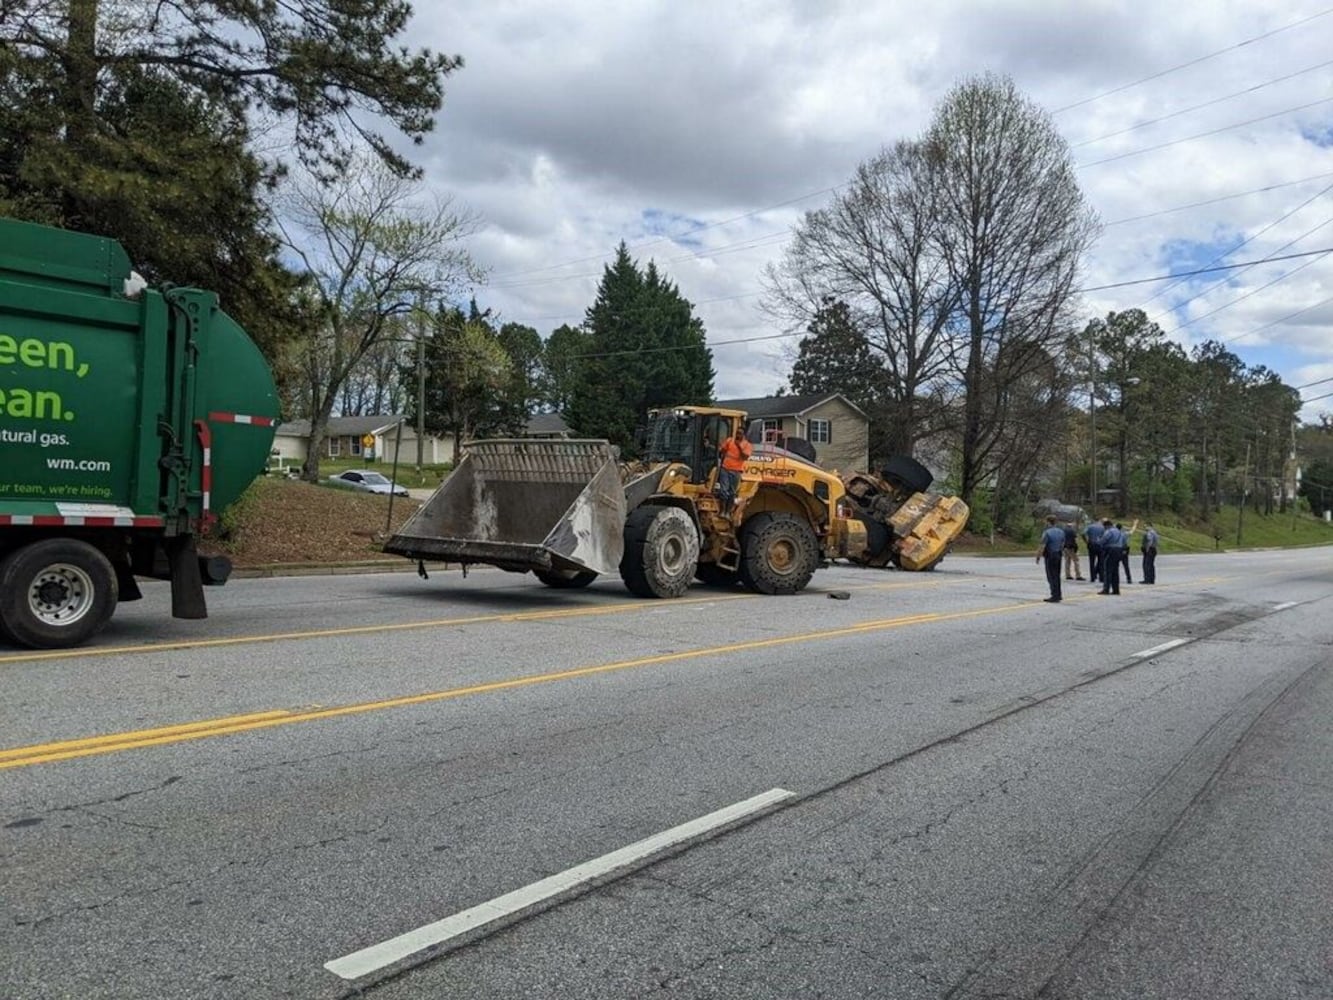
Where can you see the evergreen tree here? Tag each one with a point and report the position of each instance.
(521, 394)
(646, 349)
(132, 120)
(561, 362)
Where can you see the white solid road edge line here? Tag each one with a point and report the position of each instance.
(376, 957)
(1161, 649)
(1286, 604)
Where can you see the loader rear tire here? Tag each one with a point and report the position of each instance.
(56, 593)
(565, 579)
(779, 553)
(661, 552)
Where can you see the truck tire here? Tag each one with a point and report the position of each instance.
(565, 579)
(661, 552)
(779, 553)
(56, 593)
(713, 575)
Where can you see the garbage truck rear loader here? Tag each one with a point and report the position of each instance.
(129, 418)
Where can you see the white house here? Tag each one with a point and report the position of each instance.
(347, 438)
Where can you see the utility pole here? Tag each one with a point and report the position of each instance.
(421, 382)
(1244, 480)
(1092, 416)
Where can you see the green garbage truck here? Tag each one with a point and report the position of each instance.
(129, 419)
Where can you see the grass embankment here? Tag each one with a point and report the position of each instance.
(285, 522)
(1180, 535)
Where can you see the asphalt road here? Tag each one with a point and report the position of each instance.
(985, 795)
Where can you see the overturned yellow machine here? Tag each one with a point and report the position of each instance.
(570, 511)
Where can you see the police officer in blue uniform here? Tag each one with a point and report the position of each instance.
(1149, 548)
(1092, 534)
(1052, 550)
(1113, 540)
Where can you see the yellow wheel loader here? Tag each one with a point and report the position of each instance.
(569, 511)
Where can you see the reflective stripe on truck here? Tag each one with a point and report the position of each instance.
(57, 521)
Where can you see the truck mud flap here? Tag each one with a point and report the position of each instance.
(524, 505)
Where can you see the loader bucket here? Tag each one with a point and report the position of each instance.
(524, 505)
(923, 528)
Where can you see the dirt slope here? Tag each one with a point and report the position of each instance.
(280, 521)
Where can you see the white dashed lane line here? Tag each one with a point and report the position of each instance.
(379, 956)
(1159, 649)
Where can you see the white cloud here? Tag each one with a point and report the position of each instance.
(576, 124)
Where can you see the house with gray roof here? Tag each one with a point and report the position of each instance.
(837, 427)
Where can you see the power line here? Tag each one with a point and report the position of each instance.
(1203, 135)
(1247, 240)
(1206, 270)
(1277, 322)
(1315, 399)
(1199, 107)
(688, 232)
(1254, 291)
(1214, 201)
(751, 243)
(1192, 62)
(801, 333)
(1318, 381)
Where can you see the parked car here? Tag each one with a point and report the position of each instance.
(367, 482)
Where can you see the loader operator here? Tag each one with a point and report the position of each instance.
(735, 450)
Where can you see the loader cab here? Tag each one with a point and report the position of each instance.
(690, 436)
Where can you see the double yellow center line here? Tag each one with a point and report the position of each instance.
(46, 753)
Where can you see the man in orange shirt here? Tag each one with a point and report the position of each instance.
(734, 451)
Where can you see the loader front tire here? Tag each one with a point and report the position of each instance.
(565, 579)
(56, 593)
(779, 553)
(661, 552)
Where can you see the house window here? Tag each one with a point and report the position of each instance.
(335, 447)
(821, 431)
(772, 429)
(356, 446)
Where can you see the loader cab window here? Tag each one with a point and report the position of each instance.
(671, 438)
(714, 430)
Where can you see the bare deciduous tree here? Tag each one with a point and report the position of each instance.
(873, 250)
(373, 249)
(1011, 225)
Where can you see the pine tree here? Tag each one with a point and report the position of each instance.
(646, 349)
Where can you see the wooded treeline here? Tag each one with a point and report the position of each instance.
(937, 291)
(235, 147)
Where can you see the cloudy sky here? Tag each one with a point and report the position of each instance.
(699, 132)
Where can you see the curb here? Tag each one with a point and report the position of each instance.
(335, 569)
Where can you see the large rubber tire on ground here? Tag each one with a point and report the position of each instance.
(565, 579)
(907, 474)
(779, 553)
(661, 551)
(713, 575)
(56, 593)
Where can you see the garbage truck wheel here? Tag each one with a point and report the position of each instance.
(779, 553)
(56, 593)
(661, 552)
(565, 579)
